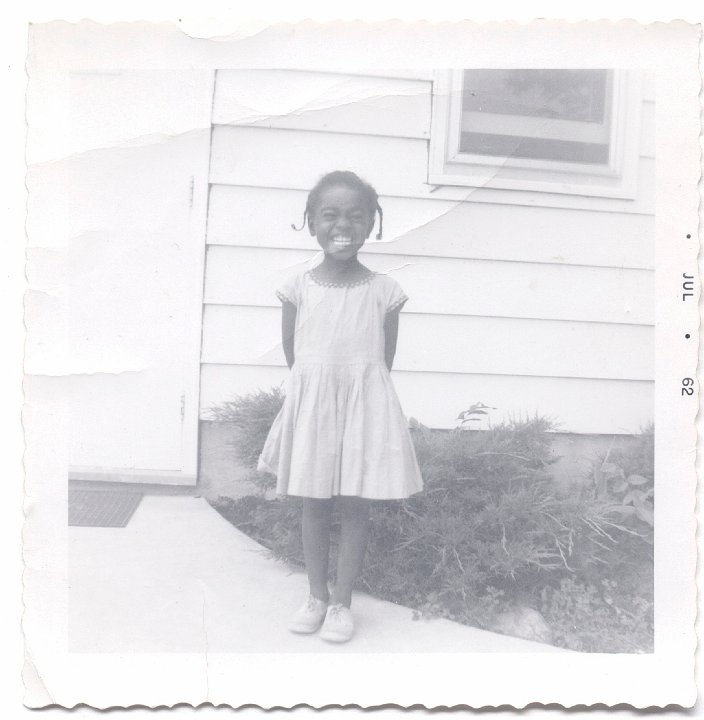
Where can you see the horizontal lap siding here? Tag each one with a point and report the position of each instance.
(459, 344)
(456, 287)
(517, 299)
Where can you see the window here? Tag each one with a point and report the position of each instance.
(569, 131)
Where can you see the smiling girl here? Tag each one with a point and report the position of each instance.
(341, 433)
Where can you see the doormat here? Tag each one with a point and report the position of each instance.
(101, 508)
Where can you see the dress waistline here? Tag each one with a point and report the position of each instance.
(337, 360)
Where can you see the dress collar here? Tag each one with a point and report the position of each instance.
(349, 283)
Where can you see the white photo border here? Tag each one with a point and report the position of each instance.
(53, 676)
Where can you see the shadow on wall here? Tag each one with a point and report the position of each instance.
(578, 453)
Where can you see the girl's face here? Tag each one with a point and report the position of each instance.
(341, 222)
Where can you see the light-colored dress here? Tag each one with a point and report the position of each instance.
(341, 430)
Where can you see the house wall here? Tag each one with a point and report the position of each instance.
(518, 299)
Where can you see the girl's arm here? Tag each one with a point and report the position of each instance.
(288, 330)
(390, 336)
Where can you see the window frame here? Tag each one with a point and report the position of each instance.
(617, 179)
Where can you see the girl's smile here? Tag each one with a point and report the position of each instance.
(341, 222)
(341, 241)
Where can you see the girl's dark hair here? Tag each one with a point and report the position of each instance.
(349, 179)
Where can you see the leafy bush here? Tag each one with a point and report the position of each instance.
(626, 477)
(490, 533)
(590, 618)
(622, 485)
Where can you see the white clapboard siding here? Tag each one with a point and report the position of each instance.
(580, 405)
(527, 301)
(456, 343)
(323, 102)
(262, 217)
(267, 157)
(248, 276)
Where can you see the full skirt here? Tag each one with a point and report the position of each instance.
(341, 431)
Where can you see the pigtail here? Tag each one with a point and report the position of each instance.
(303, 224)
(381, 221)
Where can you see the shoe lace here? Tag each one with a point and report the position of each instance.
(335, 611)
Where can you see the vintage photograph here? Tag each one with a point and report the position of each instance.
(457, 268)
(359, 360)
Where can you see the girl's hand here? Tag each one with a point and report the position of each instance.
(288, 331)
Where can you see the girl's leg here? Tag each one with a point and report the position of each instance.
(354, 531)
(316, 544)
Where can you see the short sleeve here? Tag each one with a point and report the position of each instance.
(288, 291)
(396, 298)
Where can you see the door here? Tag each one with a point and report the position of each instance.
(137, 201)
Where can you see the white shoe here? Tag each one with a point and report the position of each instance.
(338, 625)
(309, 617)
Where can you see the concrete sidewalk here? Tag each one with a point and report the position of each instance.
(180, 578)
